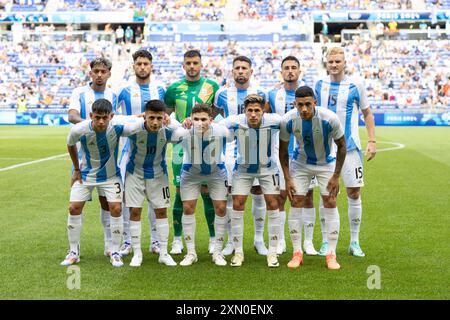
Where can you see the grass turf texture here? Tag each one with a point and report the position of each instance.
(405, 228)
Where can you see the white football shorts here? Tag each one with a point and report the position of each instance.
(155, 190)
(190, 185)
(111, 189)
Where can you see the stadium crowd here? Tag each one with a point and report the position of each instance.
(156, 10)
(402, 74)
(207, 10)
(294, 10)
(43, 75)
(398, 74)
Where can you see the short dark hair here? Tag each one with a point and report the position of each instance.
(102, 106)
(304, 91)
(142, 53)
(101, 61)
(244, 59)
(192, 54)
(155, 105)
(254, 98)
(202, 107)
(290, 58)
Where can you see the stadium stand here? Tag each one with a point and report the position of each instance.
(157, 10)
(400, 74)
(44, 74)
(291, 9)
(28, 5)
(441, 4)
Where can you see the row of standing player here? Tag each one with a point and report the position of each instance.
(341, 93)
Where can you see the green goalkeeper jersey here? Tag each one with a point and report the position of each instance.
(183, 95)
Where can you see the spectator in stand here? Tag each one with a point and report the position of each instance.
(129, 34)
(119, 35)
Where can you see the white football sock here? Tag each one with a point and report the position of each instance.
(105, 217)
(322, 221)
(274, 229)
(237, 230)
(116, 233)
(282, 224)
(74, 224)
(126, 224)
(332, 224)
(162, 226)
(135, 233)
(229, 214)
(188, 222)
(154, 236)
(259, 216)
(309, 219)
(354, 216)
(295, 228)
(220, 228)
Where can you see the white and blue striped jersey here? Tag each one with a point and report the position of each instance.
(203, 154)
(345, 98)
(148, 151)
(231, 99)
(314, 138)
(82, 99)
(281, 101)
(132, 97)
(256, 148)
(100, 149)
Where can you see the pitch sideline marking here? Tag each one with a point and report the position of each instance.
(32, 162)
(397, 146)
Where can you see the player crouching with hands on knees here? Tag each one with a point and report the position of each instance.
(146, 177)
(99, 138)
(314, 129)
(256, 134)
(203, 163)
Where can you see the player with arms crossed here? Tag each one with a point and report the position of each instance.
(146, 178)
(131, 100)
(180, 98)
(346, 96)
(315, 129)
(203, 145)
(231, 100)
(79, 109)
(99, 138)
(256, 133)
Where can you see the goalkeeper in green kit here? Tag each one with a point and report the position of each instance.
(180, 98)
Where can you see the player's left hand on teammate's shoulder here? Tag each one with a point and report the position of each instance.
(187, 123)
(166, 120)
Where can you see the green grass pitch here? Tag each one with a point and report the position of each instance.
(405, 232)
